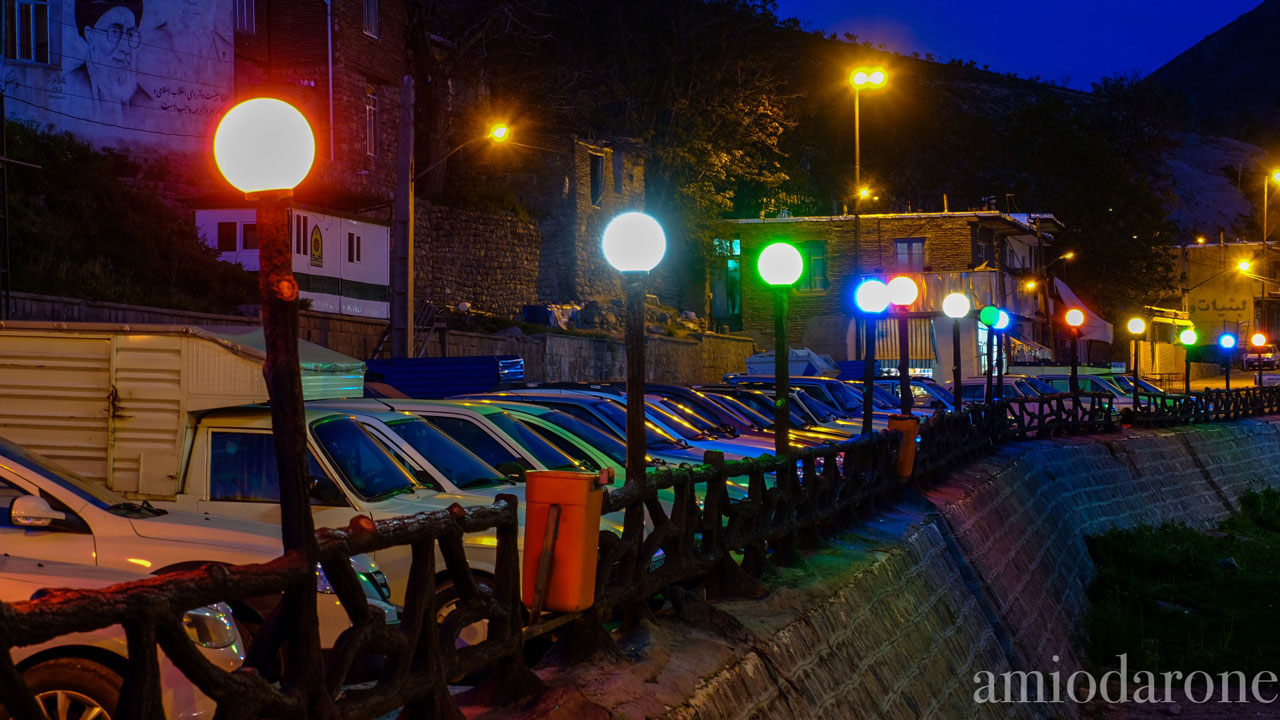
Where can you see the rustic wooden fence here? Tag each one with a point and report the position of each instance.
(682, 550)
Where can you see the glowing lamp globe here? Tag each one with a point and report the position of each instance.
(956, 305)
(859, 78)
(1227, 340)
(1137, 326)
(1075, 318)
(877, 77)
(634, 242)
(1002, 321)
(903, 291)
(499, 133)
(989, 316)
(1258, 340)
(264, 144)
(780, 264)
(872, 296)
(1187, 337)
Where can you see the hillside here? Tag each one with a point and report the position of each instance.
(1228, 83)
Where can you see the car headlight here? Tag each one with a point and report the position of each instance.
(210, 626)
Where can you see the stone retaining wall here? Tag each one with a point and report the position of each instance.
(988, 571)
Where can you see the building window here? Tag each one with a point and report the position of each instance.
(910, 254)
(26, 30)
(814, 276)
(353, 248)
(371, 124)
(301, 234)
(226, 237)
(245, 22)
(249, 239)
(597, 178)
(371, 17)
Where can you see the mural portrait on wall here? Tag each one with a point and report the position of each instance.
(108, 77)
(191, 39)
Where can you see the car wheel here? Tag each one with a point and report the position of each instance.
(73, 689)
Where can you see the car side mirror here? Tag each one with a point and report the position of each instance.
(33, 511)
(512, 470)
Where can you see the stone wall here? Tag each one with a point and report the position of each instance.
(490, 261)
(892, 619)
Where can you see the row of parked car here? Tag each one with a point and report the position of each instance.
(381, 457)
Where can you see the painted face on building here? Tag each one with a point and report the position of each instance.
(196, 15)
(113, 43)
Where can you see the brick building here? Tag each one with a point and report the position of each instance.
(996, 259)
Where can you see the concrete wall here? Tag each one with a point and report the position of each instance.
(892, 619)
(703, 358)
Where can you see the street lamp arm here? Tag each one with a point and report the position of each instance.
(448, 155)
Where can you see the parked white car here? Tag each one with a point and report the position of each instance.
(79, 676)
(49, 513)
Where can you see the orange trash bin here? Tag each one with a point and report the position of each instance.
(909, 426)
(571, 585)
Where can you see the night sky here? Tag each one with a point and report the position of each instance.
(1072, 42)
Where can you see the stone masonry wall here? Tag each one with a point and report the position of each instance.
(490, 261)
(987, 571)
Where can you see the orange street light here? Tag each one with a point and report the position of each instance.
(1244, 265)
(863, 78)
(1075, 318)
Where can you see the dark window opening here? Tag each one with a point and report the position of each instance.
(597, 178)
(250, 240)
(226, 237)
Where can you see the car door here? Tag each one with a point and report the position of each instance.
(243, 481)
(68, 540)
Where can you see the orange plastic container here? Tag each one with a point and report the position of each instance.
(572, 583)
(909, 426)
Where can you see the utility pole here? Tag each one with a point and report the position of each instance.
(402, 241)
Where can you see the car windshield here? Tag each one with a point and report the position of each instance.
(366, 467)
(611, 446)
(945, 396)
(549, 455)
(462, 467)
(1041, 386)
(700, 421)
(823, 411)
(752, 415)
(682, 427)
(655, 437)
(91, 492)
(764, 404)
(1026, 389)
(1126, 383)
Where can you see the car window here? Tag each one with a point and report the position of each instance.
(546, 453)
(973, 393)
(474, 438)
(7, 495)
(579, 412)
(242, 468)
(455, 462)
(602, 441)
(1060, 384)
(367, 468)
(564, 445)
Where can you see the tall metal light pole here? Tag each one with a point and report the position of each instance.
(780, 266)
(865, 78)
(634, 244)
(1137, 327)
(1075, 318)
(871, 297)
(264, 147)
(956, 306)
(1188, 338)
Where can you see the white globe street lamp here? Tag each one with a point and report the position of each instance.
(634, 244)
